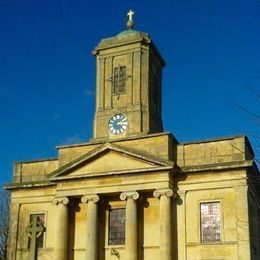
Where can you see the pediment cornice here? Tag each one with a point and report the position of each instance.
(126, 161)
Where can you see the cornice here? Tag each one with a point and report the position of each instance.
(217, 166)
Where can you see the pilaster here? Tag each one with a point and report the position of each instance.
(13, 231)
(181, 226)
(242, 222)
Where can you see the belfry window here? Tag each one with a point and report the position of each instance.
(119, 80)
(116, 233)
(210, 222)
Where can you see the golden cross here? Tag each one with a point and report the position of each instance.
(130, 15)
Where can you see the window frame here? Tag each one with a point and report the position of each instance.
(109, 226)
(200, 221)
(121, 78)
(112, 204)
(44, 233)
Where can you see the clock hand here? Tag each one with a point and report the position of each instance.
(121, 123)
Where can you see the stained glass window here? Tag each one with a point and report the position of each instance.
(40, 236)
(116, 227)
(210, 222)
(119, 79)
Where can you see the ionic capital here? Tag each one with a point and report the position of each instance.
(129, 195)
(90, 197)
(60, 200)
(164, 192)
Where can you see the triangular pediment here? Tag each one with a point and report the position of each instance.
(109, 159)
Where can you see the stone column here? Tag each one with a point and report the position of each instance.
(92, 218)
(165, 223)
(131, 247)
(61, 226)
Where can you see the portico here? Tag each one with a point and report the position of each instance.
(131, 248)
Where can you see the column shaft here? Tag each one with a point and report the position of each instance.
(165, 234)
(131, 246)
(165, 228)
(92, 218)
(131, 229)
(61, 232)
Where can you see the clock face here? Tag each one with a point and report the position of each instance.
(117, 124)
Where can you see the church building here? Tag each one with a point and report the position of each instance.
(133, 192)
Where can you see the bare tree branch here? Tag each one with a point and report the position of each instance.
(254, 92)
(254, 116)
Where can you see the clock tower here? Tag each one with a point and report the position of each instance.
(128, 85)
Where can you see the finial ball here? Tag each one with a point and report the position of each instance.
(130, 24)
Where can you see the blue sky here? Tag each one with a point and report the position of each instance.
(47, 71)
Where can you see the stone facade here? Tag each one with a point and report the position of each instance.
(160, 184)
